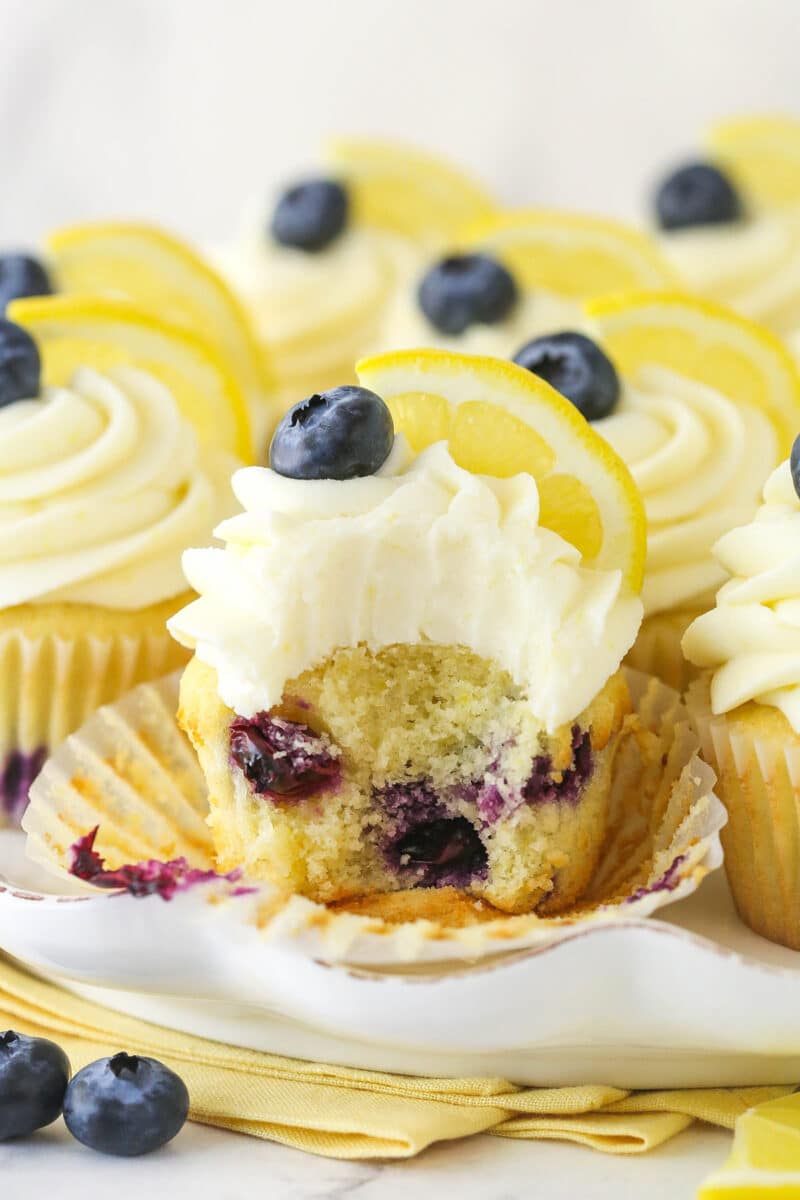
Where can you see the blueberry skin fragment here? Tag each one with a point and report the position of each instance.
(466, 289)
(344, 433)
(575, 366)
(310, 215)
(126, 1105)
(697, 194)
(34, 1074)
(22, 275)
(20, 365)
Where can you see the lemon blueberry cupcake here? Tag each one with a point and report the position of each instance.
(406, 657)
(701, 405)
(513, 275)
(730, 223)
(317, 270)
(748, 706)
(103, 483)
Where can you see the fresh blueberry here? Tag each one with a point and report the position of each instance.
(310, 215)
(794, 464)
(697, 194)
(34, 1074)
(466, 289)
(126, 1105)
(20, 365)
(575, 366)
(339, 434)
(22, 275)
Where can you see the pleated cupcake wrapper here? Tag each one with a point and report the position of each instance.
(759, 783)
(657, 649)
(49, 686)
(131, 771)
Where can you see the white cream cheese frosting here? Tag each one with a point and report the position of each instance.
(102, 486)
(752, 636)
(699, 460)
(425, 551)
(752, 265)
(318, 311)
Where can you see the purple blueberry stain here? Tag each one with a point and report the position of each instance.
(284, 760)
(16, 777)
(665, 883)
(148, 878)
(543, 788)
(425, 842)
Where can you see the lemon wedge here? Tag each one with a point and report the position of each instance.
(499, 419)
(765, 1160)
(95, 331)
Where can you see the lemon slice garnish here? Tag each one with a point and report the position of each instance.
(706, 342)
(405, 190)
(762, 155)
(571, 254)
(500, 420)
(160, 273)
(95, 331)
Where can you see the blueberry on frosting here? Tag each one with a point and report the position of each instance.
(310, 215)
(696, 194)
(343, 433)
(22, 275)
(575, 366)
(466, 289)
(20, 365)
(794, 464)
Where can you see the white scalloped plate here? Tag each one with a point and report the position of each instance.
(694, 999)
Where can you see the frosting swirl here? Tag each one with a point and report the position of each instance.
(318, 312)
(102, 485)
(751, 265)
(752, 636)
(421, 552)
(691, 451)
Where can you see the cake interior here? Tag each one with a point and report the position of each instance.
(419, 766)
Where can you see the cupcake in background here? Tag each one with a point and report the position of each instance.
(406, 658)
(514, 275)
(701, 405)
(747, 706)
(318, 264)
(163, 275)
(117, 441)
(729, 221)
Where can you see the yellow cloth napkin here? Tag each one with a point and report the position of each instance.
(346, 1113)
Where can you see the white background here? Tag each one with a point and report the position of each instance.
(177, 109)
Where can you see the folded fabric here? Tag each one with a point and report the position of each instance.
(345, 1113)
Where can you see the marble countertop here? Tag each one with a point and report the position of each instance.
(207, 1164)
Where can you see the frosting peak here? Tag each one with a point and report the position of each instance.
(431, 552)
(102, 485)
(752, 636)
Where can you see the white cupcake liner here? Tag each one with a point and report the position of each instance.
(51, 685)
(131, 772)
(759, 784)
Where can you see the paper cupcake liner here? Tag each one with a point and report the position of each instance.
(759, 784)
(657, 649)
(130, 771)
(50, 685)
